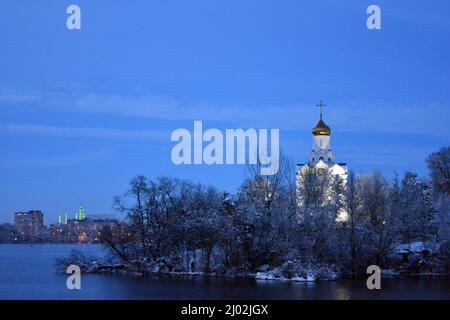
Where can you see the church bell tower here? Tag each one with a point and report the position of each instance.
(321, 150)
(322, 158)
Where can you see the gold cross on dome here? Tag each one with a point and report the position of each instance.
(321, 105)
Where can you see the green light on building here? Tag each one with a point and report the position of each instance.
(81, 213)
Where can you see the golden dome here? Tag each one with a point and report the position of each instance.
(321, 129)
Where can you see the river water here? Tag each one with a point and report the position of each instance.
(28, 272)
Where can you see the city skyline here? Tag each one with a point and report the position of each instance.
(62, 217)
(29, 227)
(94, 112)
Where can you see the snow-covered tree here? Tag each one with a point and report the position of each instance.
(274, 221)
(439, 166)
(381, 223)
(319, 198)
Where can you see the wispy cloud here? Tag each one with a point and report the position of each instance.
(379, 116)
(76, 132)
(87, 157)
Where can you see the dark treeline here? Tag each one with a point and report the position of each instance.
(262, 224)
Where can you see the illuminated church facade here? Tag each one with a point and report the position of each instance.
(322, 158)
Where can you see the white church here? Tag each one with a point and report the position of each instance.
(322, 157)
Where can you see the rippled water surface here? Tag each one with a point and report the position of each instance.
(28, 272)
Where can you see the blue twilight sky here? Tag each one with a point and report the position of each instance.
(84, 111)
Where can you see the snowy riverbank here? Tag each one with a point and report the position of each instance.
(299, 272)
(295, 270)
(289, 271)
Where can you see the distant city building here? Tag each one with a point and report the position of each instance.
(83, 228)
(29, 225)
(8, 233)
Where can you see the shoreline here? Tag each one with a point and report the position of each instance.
(122, 270)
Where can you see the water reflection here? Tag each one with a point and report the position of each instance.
(29, 273)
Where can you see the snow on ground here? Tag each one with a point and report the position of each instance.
(296, 271)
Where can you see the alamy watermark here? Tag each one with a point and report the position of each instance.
(74, 280)
(374, 280)
(373, 22)
(73, 21)
(234, 146)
